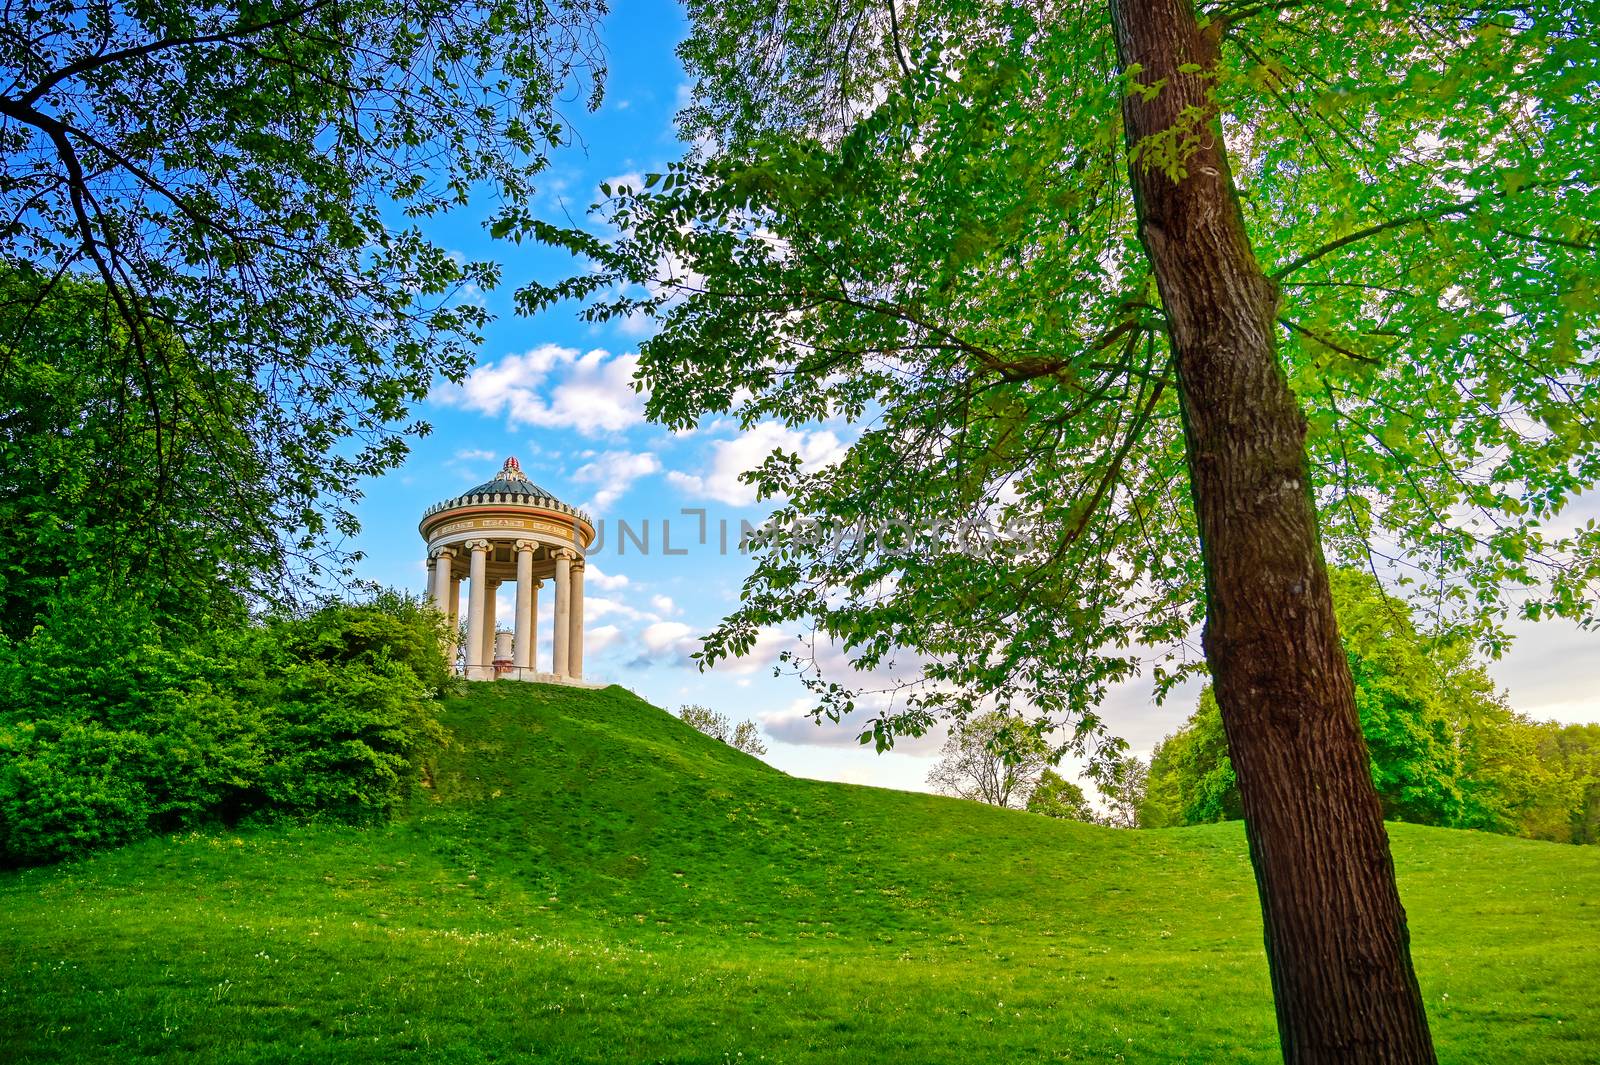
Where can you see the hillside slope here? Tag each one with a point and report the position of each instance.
(586, 879)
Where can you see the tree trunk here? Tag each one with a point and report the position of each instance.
(1336, 934)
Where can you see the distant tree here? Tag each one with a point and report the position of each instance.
(744, 736)
(1582, 758)
(1567, 807)
(241, 181)
(1122, 789)
(1191, 781)
(1445, 750)
(1410, 692)
(994, 758)
(1056, 796)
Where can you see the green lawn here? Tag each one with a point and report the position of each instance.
(586, 879)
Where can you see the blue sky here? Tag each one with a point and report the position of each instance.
(554, 391)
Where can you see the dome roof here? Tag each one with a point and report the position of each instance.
(510, 481)
(510, 485)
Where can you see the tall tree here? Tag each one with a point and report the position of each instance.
(1122, 789)
(243, 179)
(1177, 300)
(741, 736)
(994, 758)
(79, 495)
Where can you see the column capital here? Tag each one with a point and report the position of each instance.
(526, 545)
(476, 545)
(566, 554)
(442, 552)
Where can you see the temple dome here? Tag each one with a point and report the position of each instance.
(510, 485)
(511, 481)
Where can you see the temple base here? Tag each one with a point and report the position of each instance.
(532, 676)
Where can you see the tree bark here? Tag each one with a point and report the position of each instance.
(1336, 936)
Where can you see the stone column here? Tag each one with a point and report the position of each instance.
(522, 656)
(491, 595)
(475, 601)
(442, 584)
(453, 613)
(575, 636)
(563, 629)
(439, 578)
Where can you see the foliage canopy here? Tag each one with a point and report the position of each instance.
(922, 225)
(244, 182)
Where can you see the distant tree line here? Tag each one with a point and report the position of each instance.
(1446, 748)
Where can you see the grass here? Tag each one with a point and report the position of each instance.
(585, 879)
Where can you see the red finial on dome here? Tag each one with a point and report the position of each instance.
(512, 464)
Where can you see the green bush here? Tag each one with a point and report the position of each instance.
(107, 734)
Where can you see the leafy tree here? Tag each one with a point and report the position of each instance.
(242, 181)
(1191, 781)
(744, 736)
(1056, 796)
(1504, 778)
(1122, 786)
(994, 758)
(1185, 297)
(1407, 690)
(80, 494)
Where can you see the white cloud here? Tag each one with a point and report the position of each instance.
(730, 458)
(672, 641)
(796, 726)
(631, 180)
(470, 454)
(599, 606)
(613, 472)
(555, 388)
(663, 604)
(635, 324)
(763, 654)
(594, 577)
(598, 639)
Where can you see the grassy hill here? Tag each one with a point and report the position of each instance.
(586, 879)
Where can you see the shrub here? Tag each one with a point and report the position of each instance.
(107, 734)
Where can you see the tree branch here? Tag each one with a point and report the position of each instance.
(1443, 210)
(94, 62)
